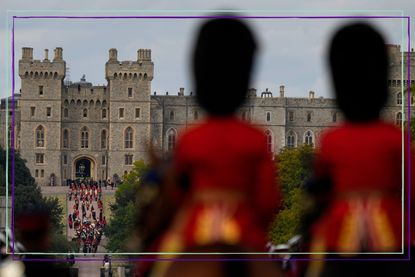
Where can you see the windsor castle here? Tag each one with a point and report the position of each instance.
(67, 130)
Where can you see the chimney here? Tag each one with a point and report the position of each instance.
(113, 55)
(311, 95)
(46, 55)
(282, 91)
(58, 54)
(27, 53)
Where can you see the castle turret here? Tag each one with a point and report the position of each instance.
(113, 55)
(58, 54)
(41, 120)
(282, 91)
(27, 54)
(129, 84)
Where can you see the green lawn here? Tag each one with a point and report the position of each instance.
(62, 201)
(108, 199)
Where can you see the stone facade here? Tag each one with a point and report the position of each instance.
(66, 130)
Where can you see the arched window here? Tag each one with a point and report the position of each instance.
(268, 117)
(104, 113)
(308, 138)
(65, 113)
(40, 136)
(398, 120)
(84, 137)
(103, 139)
(171, 115)
(128, 138)
(65, 139)
(291, 139)
(9, 137)
(399, 98)
(85, 113)
(268, 134)
(171, 139)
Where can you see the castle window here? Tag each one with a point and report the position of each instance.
(121, 113)
(171, 115)
(268, 117)
(399, 98)
(268, 135)
(48, 111)
(103, 160)
(128, 138)
(196, 115)
(32, 111)
(65, 159)
(65, 113)
(40, 158)
(334, 117)
(308, 116)
(37, 173)
(84, 137)
(291, 140)
(308, 138)
(10, 137)
(398, 82)
(130, 92)
(40, 136)
(128, 159)
(398, 120)
(291, 116)
(85, 113)
(137, 112)
(171, 139)
(40, 90)
(104, 113)
(103, 139)
(42, 173)
(65, 138)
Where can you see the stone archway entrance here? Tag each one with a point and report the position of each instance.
(84, 167)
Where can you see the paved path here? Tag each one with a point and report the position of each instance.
(86, 268)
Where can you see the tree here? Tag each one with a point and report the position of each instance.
(28, 198)
(124, 210)
(295, 167)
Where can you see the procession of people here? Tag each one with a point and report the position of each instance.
(86, 216)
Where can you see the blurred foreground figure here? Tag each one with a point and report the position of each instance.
(358, 171)
(226, 192)
(33, 230)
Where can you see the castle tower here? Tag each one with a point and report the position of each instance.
(40, 104)
(129, 84)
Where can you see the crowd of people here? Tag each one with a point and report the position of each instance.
(86, 216)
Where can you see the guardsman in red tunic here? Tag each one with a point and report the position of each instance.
(228, 190)
(362, 160)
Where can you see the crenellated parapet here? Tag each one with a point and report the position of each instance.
(140, 70)
(42, 69)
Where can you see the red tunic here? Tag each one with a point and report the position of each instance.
(233, 193)
(364, 163)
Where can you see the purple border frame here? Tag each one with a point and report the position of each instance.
(408, 18)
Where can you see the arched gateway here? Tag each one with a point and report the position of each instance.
(84, 167)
